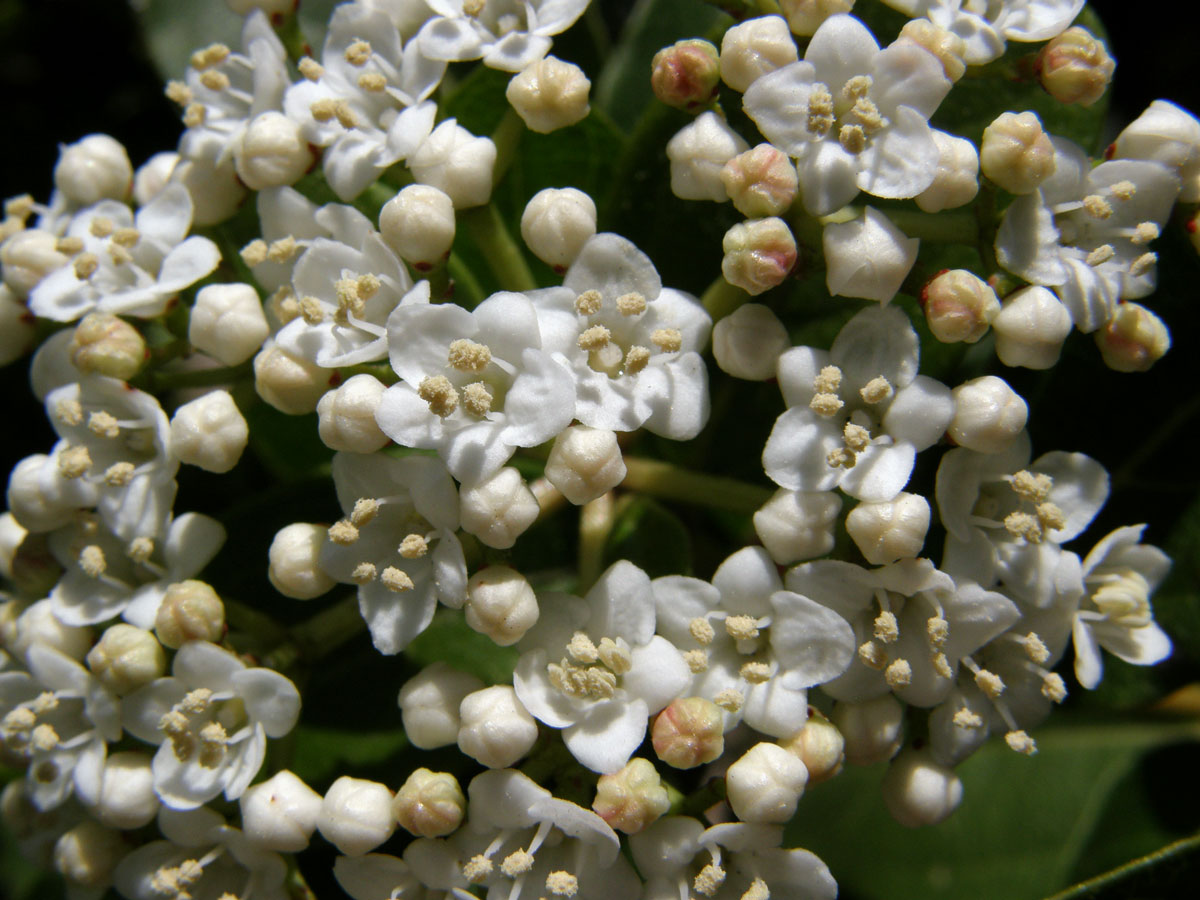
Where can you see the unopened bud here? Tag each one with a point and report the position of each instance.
(418, 223)
(457, 163)
(748, 341)
(765, 784)
(501, 604)
(892, 530)
(819, 745)
(280, 813)
(549, 94)
(1167, 134)
(871, 728)
(18, 327)
(585, 463)
(294, 556)
(947, 46)
(87, 854)
(1030, 328)
(92, 169)
(291, 384)
(347, 415)
(759, 254)
(867, 257)
(1016, 152)
(556, 223)
(37, 624)
(959, 306)
(496, 729)
(125, 658)
(754, 48)
(805, 16)
(152, 176)
(1134, 339)
(796, 525)
(190, 611)
(272, 152)
(356, 815)
(127, 799)
(689, 733)
(686, 74)
(107, 345)
(698, 152)
(228, 322)
(29, 256)
(213, 186)
(209, 432)
(429, 705)
(988, 415)
(498, 509)
(761, 182)
(956, 180)
(1075, 67)
(632, 797)
(920, 791)
(429, 804)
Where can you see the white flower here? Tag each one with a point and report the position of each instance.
(867, 257)
(506, 34)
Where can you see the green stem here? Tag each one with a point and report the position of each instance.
(292, 38)
(985, 226)
(468, 291)
(507, 138)
(371, 201)
(722, 298)
(171, 381)
(668, 482)
(501, 251)
(319, 636)
(595, 525)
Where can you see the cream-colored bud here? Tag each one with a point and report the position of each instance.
(214, 187)
(92, 169)
(819, 745)
(87, 854)
(920, 791)
(754, 48)
(891, 530)
(956, 181)
(356, 815)
(29, 256)
(280, 813)
(457, 163)
(152, 176)
(18, 327)
(429, 804)
(747, 342)
(190, 611)
(689, 732)
(804, 17)
(871, 728)
(632, 797)
(228, 322)
(988, 415)
(1030, 328)
(761, 182)
(127, 799)
(947, 46)
(125, 658)
(765, 784)
(698, 152)
(37, 624)
(418, 223)
(686, 74)
(498, 509)
(556, 223)
(209, 432)
(501, 604)
(429, 705)
(295, 568)
(496, 730)
(1074, 67)
(796, 525)
(291, 384)
(1134, 339)
(105, 344)
(549, 94)
(759, 254)
(585, 463)
(272, 152)
(1016, 152)
(959, 306)
(347, 415)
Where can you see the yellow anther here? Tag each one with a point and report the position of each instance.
(856, 437)
(1144, 233)
(1031, 486)
(254, 253)
(1020, 742)
(867, 114)
(636, 359)
(562, 884)
(283, 249)
(440, 394)
(414, 546)
(872, 655)
(365, 510)
(468, 356)
(990, 683)
(582, 649)
(396, 580)
(595, 338)
(312, 310)
(964, 718)
(358, 53)
(730, 699)
(477, 869)
(1050, 516)
(372, 82)
(741, 628)
(343, 533)
(820, 110)
(310, 68)
(194, 115)
(702, 631)
(477, 399)
(119, 474)
(364, 573)
(709, 880)
(898, 674)
(322, 110)
(631, 304)
(1097, 207)
(178, 92)
(887, 629)
(876, 390)
(852, 138)
(85, 265)
(69, 412)
(69, 246)
(941, 665)
(828, 380)
(1054, 688)
(1143, 264)
(1023, 525)
(588, 303)
(103, 424)
(755, 672)
(1035, 648)
(668, 340)
(74, 462)
(214, 80)
(697, 660)
(1100, 255)
(212, 55)
(840, 457)
(1123, 190)
(825, 404)
(140, 549)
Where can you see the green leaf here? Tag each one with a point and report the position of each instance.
(651, 536)
(449, 639)
(322, 754)
(1168, 872)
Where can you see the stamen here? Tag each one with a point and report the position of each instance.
(636, 359)
(468, 356)
(343, 533)
(365, 510)
(1100, 255)
(396, 580)
(562, 884)
(820, 110)
(1054, 688)
(887, 629)
(1143, 264)
(477, 399)
(755, 672)
(898, 674)
(140, 549)
(595, 338)
(582, 649)
(741, 628)
(1097, 207)
(588, 303)
(283, 249)
(440, 394)
(103, 424)
(1123, 190)
(414, 546)
(701, 630)
(85, 265)
(872, 655)
(310, 68)
(372, 82)
(119, 474)
(938, 631)
(668, 340)
(697, 660)
(254, 253)
(477, 869)
(364, 573)
(92, 561)
(876, 390)
(1021, 742)
(358, 53)
(990, 683)
(852, 138)
(730, 699)
(828, 380)
(1144, 233)
(631, 304)
(1030, 486)
(709, 880)
(856, 437)
(964, 718)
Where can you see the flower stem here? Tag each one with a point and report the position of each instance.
(507, 138)
(595, 524)
(502, 252)
(468, 292)
(722, 298)
(942, 227)
(193, 378)
(669, 482)
(319, 636)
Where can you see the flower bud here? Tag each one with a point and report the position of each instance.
(87, 854)
(956, 181)
(294, 568)
(152, 176)
(760, 182)
(806, 16)
(291, 384)
(228, 322)
(214, 188)
(698, 152)
(765, 784)
(748, 341)
(919, 791)
(457, 163)
(871, 728)
(759, 254)
(1075, 67)
(689, 733)
(209, 432)
(41, 498)
(272, 152)
(498, 509)
(988, 415)
(29, 256)
(819, 745)
(418, 223)
(549, 94)
(280, 813)
(1134, 339)
(585, 463)
(18, 327)
(892, 530)
(496, 729)
(556, 223)
(947, 46)
(125, 658)
(127, 799)
(501, 604)
(356, 815)
(347, 415)
(754, 48)
(1030, 328)
(107, 345)
(867, 257)
(796, 525)
(429, 804)
(959, 306)
(1016, 153)
(686, 74)
(429, 704)
(191, 611)
(1166, 134)
(37, 624)
(92, 169)
(632, 797)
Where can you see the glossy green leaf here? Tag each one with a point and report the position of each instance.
(449, 639)
(651, 536)
(322, 754)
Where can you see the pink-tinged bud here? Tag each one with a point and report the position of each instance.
(1030, 328)
(105, 344)
(988, 415)
(549, 94)
(765, 785)
(1016, 152)
(754, 48)
(429, 804)
(804, 17)
(686, 74)
(1075, 67)
(891, 530)
(920, 791)
(632, 798)
(759, 254)
(959, 306)
(191, 611)
(689, 733)
(760, 182)
(1134, 339)
(871, 728)
(819, 745)
(947, 46)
